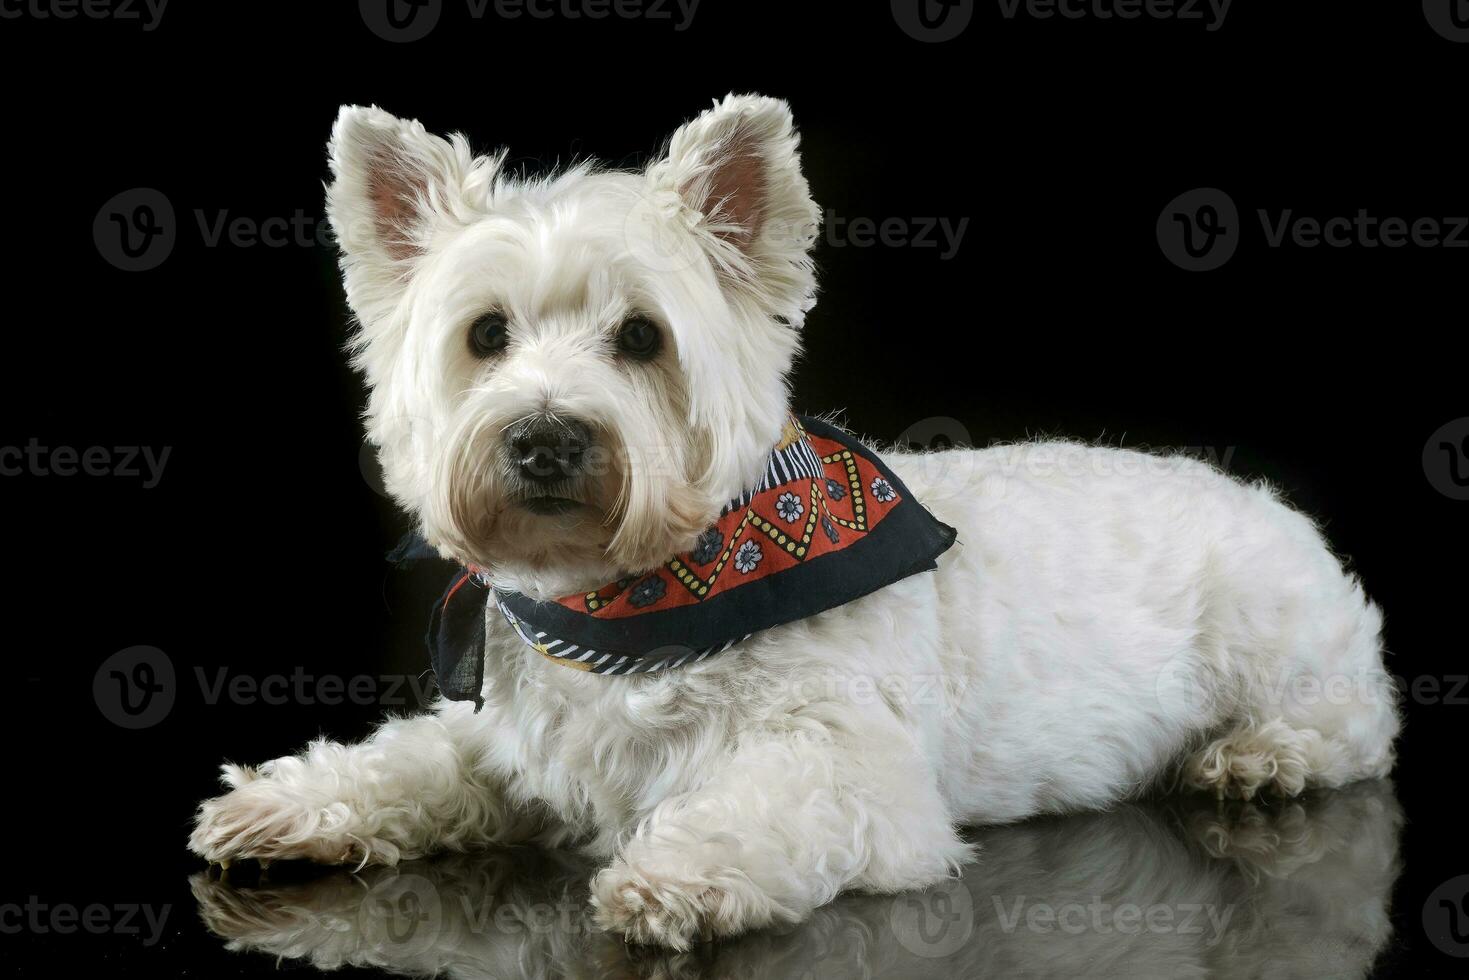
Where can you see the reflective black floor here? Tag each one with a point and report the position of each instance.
(1174, 889)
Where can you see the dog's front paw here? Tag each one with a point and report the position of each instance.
(676, 911)
(265, 819)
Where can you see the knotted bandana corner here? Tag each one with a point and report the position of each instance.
(826, 523)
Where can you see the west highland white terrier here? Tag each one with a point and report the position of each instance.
(739, 657)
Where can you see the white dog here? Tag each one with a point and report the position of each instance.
(573, 378)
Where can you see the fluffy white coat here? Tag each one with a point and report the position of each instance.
(1108, 620)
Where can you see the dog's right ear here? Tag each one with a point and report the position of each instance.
(395, 188)
(738, 168)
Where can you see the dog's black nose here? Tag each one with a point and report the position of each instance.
(548, 449)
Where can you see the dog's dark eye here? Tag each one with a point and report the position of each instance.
(639, 337)
(489, 334)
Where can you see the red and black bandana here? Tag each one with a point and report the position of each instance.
(826, 523)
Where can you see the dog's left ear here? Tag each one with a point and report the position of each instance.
(395, 187)
(738, 168)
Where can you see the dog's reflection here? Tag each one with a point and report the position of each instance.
(1176, 889)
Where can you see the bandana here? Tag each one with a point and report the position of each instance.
(826, 523)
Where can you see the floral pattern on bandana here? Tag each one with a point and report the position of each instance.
(708, 547)
(648, 591)
(789, 508)
(820, 494)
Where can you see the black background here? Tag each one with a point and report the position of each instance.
(1324, 370)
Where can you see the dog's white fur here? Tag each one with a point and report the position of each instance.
(1107, 621)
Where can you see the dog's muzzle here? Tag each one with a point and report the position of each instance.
(548, 450)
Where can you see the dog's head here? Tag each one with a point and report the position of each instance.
(571, 375)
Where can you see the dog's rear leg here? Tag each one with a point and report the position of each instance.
(1317, 712)
(412, 788)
